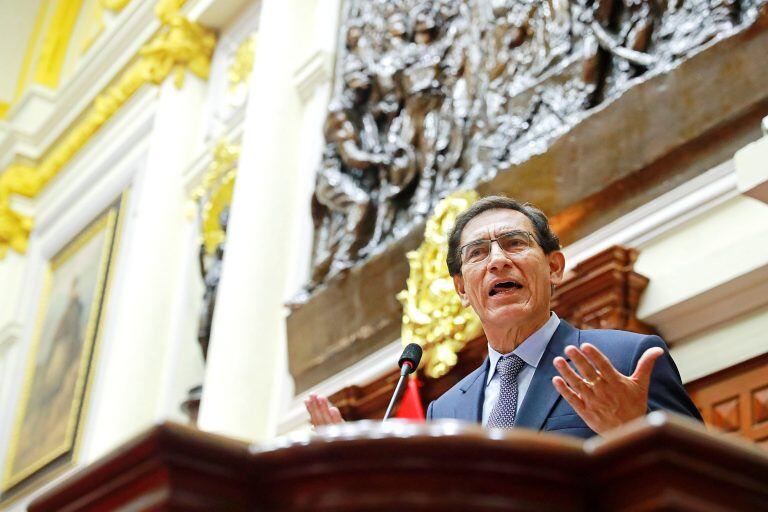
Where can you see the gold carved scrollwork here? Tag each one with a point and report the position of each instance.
(433, 316)
(242, 64)
(15, 227)
(214, 193)
(180, 44)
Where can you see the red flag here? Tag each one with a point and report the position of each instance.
(410, 407)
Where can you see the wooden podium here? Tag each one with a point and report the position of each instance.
(660, 462)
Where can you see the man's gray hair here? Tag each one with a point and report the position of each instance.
(544, 235)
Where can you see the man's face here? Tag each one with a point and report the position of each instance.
(508, 290)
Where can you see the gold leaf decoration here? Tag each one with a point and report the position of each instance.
(215, 193)
(433, 316)
(180, 44)
(15, 227)
(242, 64)
(55, 44)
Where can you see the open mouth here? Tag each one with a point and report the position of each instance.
(504, 287)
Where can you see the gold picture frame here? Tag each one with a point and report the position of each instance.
(47, 429)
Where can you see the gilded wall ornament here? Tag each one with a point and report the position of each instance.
(182, 45)
(214, 193)
(433, 316)
(240, 69)
(55, 44)
(15, 227)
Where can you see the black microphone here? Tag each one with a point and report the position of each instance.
(408, 362)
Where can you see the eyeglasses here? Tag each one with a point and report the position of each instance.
(512, 243)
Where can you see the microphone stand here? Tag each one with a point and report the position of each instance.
(405, 370)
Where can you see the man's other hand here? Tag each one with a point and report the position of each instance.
(321, 412)
(600, 394)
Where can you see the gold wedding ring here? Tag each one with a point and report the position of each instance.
(588, 382)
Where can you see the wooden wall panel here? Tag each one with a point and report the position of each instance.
(735, 400)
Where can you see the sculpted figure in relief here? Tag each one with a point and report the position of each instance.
(434, 95)
(351, 163)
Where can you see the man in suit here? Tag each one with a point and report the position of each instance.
(541, 373)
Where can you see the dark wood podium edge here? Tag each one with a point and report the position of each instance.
(405, 444)
(156, 459)
(441, 465)
(666, 460)
(681, 432)
(655, 461)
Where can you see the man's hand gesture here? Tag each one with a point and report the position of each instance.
(600, 394)
(321, 412)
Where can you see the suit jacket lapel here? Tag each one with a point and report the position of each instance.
(469, 405)
(542, 395)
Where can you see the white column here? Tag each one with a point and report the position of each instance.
(129, 379)
(246, 357)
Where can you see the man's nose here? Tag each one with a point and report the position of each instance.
(497, 257)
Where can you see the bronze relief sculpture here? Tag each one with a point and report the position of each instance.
(436, 95)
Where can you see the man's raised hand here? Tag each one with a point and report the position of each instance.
(601, 395)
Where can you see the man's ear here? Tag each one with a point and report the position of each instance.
(458, 284)
(556, 261)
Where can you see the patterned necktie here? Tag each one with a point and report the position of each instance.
(504, 411)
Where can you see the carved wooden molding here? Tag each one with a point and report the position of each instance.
(601, 292)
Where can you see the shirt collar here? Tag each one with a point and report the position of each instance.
(529, 350)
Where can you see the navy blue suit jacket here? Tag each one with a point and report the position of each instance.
(544, 409)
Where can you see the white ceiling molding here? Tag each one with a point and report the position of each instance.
(33, 109)
(42, 115)
(653, 219)
(733, 343)
(713, 307)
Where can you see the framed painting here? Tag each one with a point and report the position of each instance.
(54, 394)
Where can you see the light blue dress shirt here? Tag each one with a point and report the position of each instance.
(529, 351)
